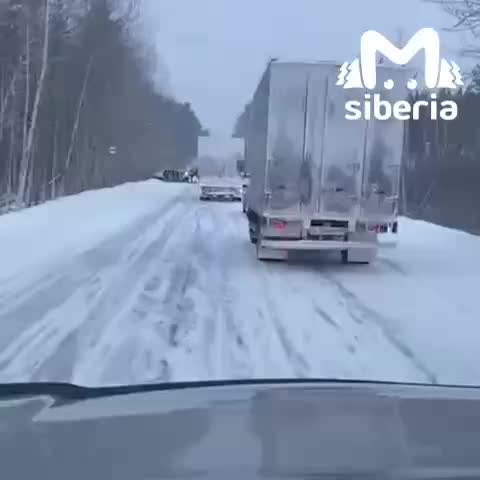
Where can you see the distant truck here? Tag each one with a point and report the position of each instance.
(319, 181)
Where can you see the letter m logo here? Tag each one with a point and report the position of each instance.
(373, 42)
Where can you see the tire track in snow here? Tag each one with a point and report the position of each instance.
(120, 296)
(174, 307)
(206, 252)
(238, 350)
(350, 308)
(361, 313)
(297, 361)
(26, 354)
(225, 349)
(179, 319)
(325, 316)
(40, 342)
(12, 295)
(42, 294)
(158, 326)
(268, 311)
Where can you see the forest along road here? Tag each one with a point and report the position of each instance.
(171, 290)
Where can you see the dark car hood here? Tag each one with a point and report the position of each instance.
(232, 431)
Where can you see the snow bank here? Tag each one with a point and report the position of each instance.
(425, 294)
(57, 230)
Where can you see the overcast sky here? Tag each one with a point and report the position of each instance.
(216, 50)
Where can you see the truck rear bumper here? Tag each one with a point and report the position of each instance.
(316, 245)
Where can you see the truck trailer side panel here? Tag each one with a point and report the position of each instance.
(286, 139)
(256, 144)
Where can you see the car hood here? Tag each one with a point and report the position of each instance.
(251, 430)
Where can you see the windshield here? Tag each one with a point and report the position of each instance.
(227, 190)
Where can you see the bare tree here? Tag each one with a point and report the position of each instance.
(466, 15)
(76, 79)
(24, 166)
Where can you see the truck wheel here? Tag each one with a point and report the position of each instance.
(252, 231)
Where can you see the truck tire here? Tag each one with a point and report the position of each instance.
(252, 232)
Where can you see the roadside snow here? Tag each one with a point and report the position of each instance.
(60, 229)
(426, 294)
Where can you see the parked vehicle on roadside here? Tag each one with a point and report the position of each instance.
(171, 175)
(179, 175)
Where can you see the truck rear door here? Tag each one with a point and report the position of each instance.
(336, 147)
(383, 153)
(286, 138)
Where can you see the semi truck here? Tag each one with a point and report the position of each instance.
(318, 180)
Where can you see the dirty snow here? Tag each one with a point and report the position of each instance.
(145, 283)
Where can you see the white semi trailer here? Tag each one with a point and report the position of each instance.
(320, 181)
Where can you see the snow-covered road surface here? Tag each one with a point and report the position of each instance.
(145, 283)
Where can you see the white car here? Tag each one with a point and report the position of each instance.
(220, 192)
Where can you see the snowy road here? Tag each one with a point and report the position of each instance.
(145, 283)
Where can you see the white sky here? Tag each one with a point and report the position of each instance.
(216, 50)
(220, 145)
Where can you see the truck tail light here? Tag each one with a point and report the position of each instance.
(378, 228)
(278, 224)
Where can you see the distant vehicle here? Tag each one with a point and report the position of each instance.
(193, 175)
(278, 429)
(171, 175)
(320, 181)
(220, 189)
(174, 175)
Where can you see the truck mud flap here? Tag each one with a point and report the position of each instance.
(359, 256)
(264, 253)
